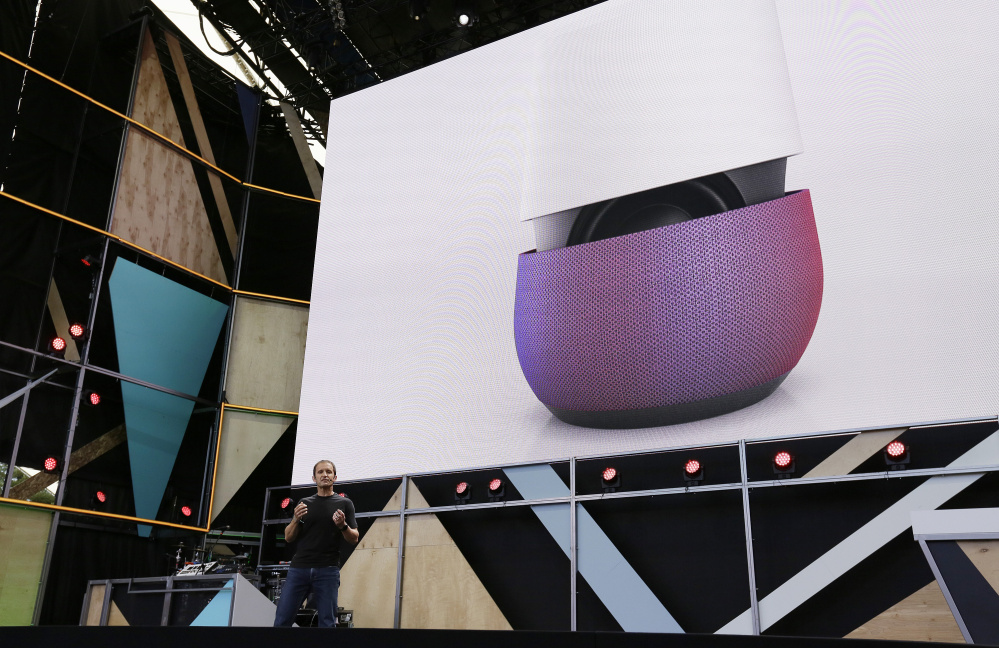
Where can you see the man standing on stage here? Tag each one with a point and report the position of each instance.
(322, 521)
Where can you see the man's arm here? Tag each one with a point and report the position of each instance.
(341, 520)
(291, 531)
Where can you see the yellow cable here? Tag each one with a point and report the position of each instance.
(152, 132)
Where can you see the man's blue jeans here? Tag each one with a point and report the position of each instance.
(323, 582)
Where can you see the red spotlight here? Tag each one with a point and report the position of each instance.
(896, 455)
(57, 346)
(76, 331)
(497, 490)
(693, 472)
(286, 502)
(185, 511)
(783, 464)
(101, 496)
(92, 398)
(462, 492)
(50, 465)
(610, 480)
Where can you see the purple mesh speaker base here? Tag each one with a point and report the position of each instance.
(671, 324)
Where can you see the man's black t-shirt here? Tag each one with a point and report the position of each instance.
(318, 543)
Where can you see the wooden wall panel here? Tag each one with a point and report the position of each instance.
(984, 554)
(201, 133)
(924, 616)
(24, 535)
(245, 440)
(439, 588)
(855, 452)
(367, 579)
(159, 205)
(267, 354)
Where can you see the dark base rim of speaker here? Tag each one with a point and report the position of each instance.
(670, 414)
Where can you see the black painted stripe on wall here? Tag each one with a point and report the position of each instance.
(975, 599)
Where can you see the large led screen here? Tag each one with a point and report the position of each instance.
(434, 183)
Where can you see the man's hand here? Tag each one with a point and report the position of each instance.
(300, 511)
(339, 519)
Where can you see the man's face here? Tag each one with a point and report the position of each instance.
(323, 475)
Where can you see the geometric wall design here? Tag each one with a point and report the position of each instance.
(159, 204)
(266, 354)
(870, 537)
(23, 538)
(367, 577)
(439, 588)
(922, 616)
(832, 555)
(165, 335)
(614, 581)
(245, 440)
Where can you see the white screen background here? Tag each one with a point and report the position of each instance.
(410, 362)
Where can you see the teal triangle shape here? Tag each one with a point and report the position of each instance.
(165, 335)
(216, 613)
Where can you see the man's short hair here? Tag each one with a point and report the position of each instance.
(322, 461)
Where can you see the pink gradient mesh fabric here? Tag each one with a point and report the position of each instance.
(673, 315)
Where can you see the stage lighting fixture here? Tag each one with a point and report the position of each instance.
(185, 511)
(497, 490)
(462, 492)
(285, 503)
(90, 260)
(418, 9)
(99, 499)
(50, 465)
(77, 331)
(783, 464)
(91, 398)
(57, 347)
(896, 455)
(610, 480)
(464, 14)
(693, 472)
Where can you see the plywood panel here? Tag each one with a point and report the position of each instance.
(855, 452)
(159, 205)
(984, 554)
(267, 354)
(924, 616)
(414, 498)
(440, 590)
(302, 147)
(23, 538)
(115, 617)
(425, 530)
(80, 458)
(61, 322)
(367, 579)
(201, 133)
(96, 602)
(245, 440)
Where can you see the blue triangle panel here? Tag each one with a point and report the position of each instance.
(155, 423)
(216, 613)
(165, 333)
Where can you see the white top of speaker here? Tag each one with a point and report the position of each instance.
(617, 98)
(696, 88)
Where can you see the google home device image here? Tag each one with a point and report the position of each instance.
(607, 220)
(689, 285)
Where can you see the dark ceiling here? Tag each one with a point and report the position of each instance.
(348, 45)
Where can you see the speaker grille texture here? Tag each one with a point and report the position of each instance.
(672, 315)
